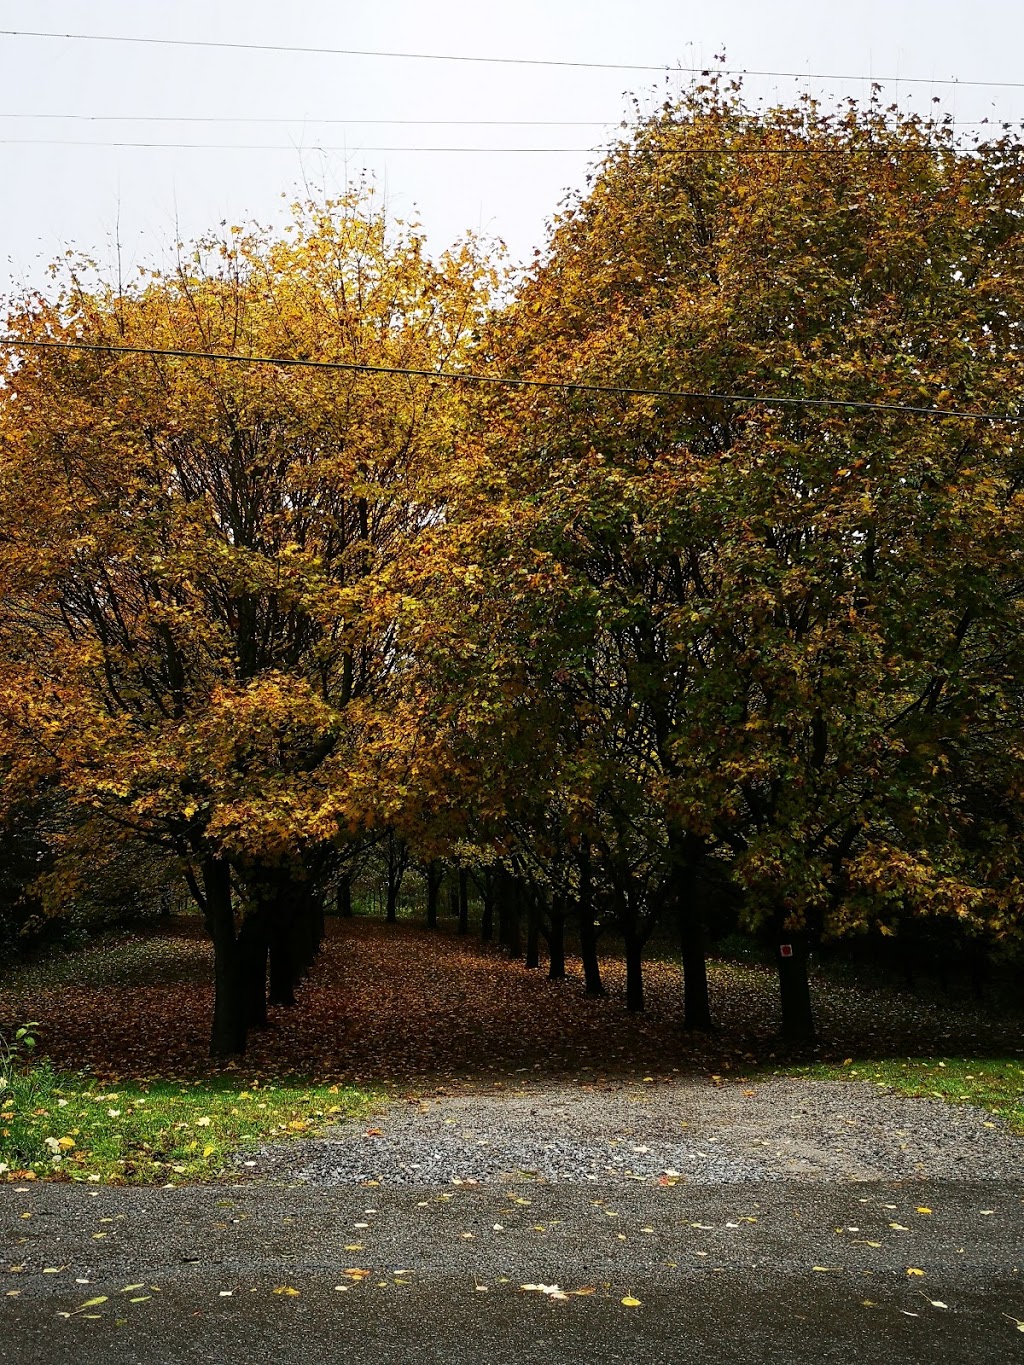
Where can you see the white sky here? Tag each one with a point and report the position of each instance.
(56, 196)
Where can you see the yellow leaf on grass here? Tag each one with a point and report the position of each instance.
(630, 1302)
(913, 1270)
(92, 1303)
(582, 1293)
(286, 1289)
(922, 1209)
(209, 1149)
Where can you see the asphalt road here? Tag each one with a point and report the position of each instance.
(771, 1272)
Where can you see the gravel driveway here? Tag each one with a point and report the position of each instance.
(689, 1130)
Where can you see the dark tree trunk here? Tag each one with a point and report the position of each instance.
(634, 973)
(254, 945)
(533, 936)
(487, 915)
(319, 923)
(515, 919)
(453, 899)
(696, 997)
(301, 926)
(344, 897)
(588, 930)
(397, 861)
(435, 876)
(228, 1032)
(556, 941)
(504, 897)
(463, 901)
(794, 989)
(282, 965)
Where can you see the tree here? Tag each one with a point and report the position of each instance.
(205, 545)
(758, 603)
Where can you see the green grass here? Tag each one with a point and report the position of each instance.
(72, 1128)
(995, 1083)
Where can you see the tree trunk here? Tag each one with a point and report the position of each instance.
(282, 966)
(634, 973)
(463, 901)
(515, 918)
(397, 861)
(696, 997)
(588, 930)
(504, 907)
(532, 937)
(301, 927)
(344, 897)
(435, 876)
(228, 1032)
(254, 945)
(556, 941)
(487, 917)
(319, 923)
(794, 989)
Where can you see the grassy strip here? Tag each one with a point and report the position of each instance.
(995, 1083)
(55, 1126)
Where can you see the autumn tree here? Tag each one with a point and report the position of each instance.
(203, 546)
(792, 610)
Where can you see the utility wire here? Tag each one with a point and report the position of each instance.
(308, 118)
(316, 121)
(354, 148)
(281, 147)
(663, 67)
(353, 367)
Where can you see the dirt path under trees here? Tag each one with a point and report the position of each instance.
(398, 1004)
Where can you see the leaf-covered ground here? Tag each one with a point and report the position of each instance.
(397, 1004)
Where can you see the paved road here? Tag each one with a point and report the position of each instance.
(771, 1272)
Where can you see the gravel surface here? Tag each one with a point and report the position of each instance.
(688, 1131)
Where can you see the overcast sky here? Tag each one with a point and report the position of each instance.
(289, 106)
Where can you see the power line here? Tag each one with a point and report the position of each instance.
(280, 147)
(662, 68)
(306, 118)
(394, 122)
(508, 381)
(808, 149)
